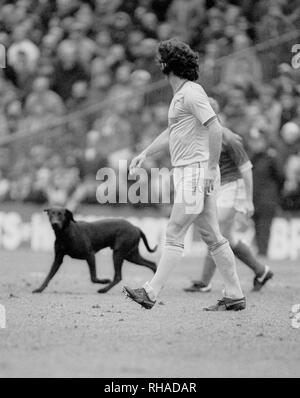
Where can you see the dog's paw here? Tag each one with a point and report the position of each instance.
(102, 291)
(37, 291)
(105, 281)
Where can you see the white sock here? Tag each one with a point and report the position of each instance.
(225, 261)
(208, 271)
(170, 258)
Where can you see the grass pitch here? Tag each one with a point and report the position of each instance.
(71, 331)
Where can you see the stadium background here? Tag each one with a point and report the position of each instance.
(81, 90)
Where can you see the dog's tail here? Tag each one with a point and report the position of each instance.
(143, 236)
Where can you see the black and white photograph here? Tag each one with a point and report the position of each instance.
(149, 191)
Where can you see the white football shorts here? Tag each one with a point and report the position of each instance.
(189, 183)
(232, 196)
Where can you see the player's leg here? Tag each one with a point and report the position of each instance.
(262, 272)
(208, 271)
(226, 213)
(203, 284)
(263, 220)
(171, 257)
(173, 250)
(219, 248)
(225, 217)
(243, 251)
(187, 206)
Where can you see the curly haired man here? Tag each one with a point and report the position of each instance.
(194, 135)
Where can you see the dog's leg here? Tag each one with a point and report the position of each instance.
(92, 267)
(135, 257)
(55, 267)
(118, 262)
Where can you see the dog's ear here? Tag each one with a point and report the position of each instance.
(69, 215)
(46, 210)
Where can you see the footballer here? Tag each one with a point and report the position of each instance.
(233, 197)
(194, 135)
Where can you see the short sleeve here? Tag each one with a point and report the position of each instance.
(196, 102)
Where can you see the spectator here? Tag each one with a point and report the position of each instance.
(21, 45)
(13, 117)
(184, 16)
(270, 108)
(22, 73)
(284, 82)
(43, 102)
(289, 110)
(244, 66)
(86, 47)
(267, 183)
(236, 111)
(104, 52)
(79, 95)
(68, 70)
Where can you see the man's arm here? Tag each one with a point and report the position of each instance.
(215, 143)
(241, 160)
(215, 147)
(158, 145)
(246, 171)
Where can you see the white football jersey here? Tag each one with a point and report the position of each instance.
(189, 115)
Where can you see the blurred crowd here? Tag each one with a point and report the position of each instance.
(78, 71)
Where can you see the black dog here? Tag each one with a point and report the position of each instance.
(81, 240)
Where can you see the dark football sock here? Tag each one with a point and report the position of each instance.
(244, 253)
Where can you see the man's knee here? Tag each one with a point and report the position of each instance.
(227, 232)
(175, 232)
(211, 237)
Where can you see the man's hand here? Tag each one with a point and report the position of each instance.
(137, 162)
(210, 179)
(249, 208)
(231, 138)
